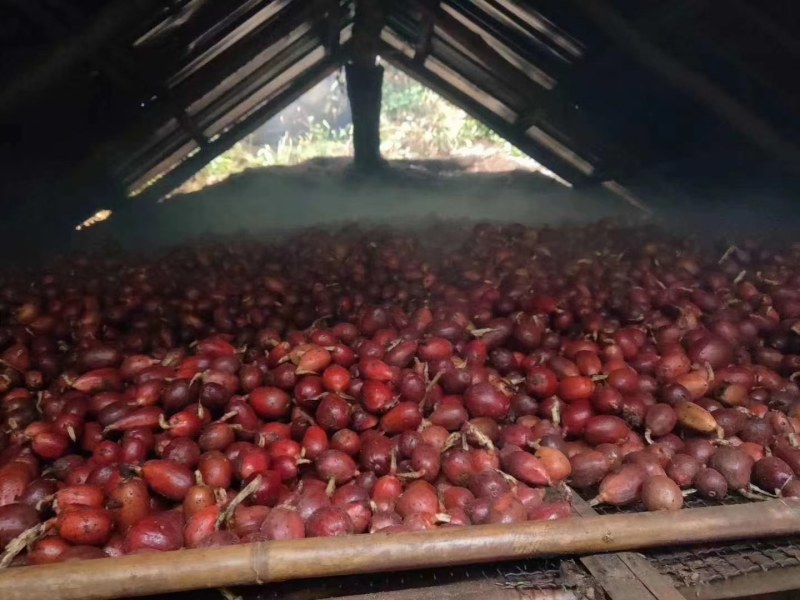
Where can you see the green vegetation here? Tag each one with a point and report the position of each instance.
(416, 123)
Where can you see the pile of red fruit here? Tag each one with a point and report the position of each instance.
(354, 381)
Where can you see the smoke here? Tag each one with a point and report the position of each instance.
(284, 199)
(271, 202)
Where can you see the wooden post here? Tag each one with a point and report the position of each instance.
(364, 84)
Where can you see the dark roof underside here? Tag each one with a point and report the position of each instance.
(101, 97)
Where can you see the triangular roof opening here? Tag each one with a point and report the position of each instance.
(417, 124)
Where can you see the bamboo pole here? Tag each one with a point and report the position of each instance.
(150, 573)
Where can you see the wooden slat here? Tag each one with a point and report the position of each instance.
(624, 575)
(466, 590)
(191, 165)
(659, 585)
(476, 110)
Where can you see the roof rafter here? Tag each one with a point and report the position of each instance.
(75, 48)
(188, 167)
(753, 127)
(479, 111)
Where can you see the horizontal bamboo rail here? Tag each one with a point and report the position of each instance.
(151, 573)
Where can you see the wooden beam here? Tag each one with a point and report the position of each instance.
(544, 106)
(113, 64)
(369, 20)
(65, 56)
(723, 48)
(494, 60)
(655, 23)
(243, 51)
(200, 83)
(191, 165)
(752, 13)
(331, 26)
(365, 83)
(759, 132)
(476, 110)
(423, 47)
(364, 90)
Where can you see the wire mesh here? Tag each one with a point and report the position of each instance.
(705, 564)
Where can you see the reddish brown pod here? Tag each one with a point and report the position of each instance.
(335, 465)
(711, 484)
(425, 462)
(406, 416)
(333, 413)
(507, 509)
(530, 469)
(660, 420)
(541, 382)
(734, 464)
(51, 444)
(419, 497)
(198, 498)
(329, 521)
(700, 449)
(588, 469)
(486, 400)
(14, 478)
(555, 462)
(200, 525)
(622, 487)
(488, 484)
(375, 369)
(772, 474)
(79, 495)
(167, 478)
(283, 523)
(576, 387)
(550, 511)
(270, 402)
(683, 469)
(605, 429)
(661, 493)
(48, 550)
(129, 502)
(315, 441)
(83, 525)
(157, 532)
(216, 470)
(15, 518)
(376, 396)
(449, 413)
